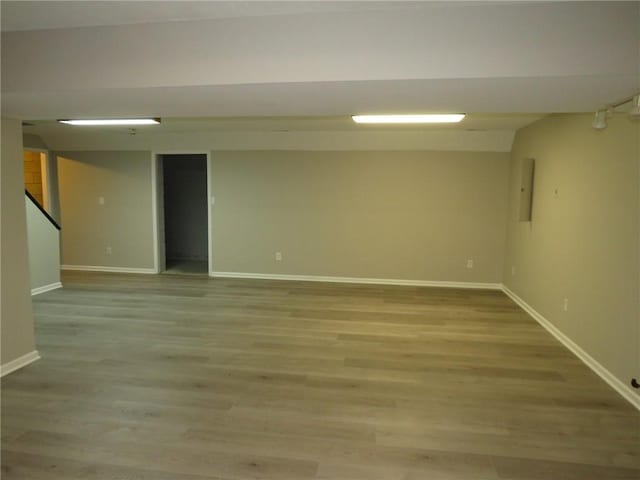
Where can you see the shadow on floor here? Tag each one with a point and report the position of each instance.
(189, 267)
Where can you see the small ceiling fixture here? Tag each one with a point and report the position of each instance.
(112, 121)
(425, 118)
(635, 106)
(600, 120)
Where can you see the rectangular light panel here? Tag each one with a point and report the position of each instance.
(427, 118)
(113, 121)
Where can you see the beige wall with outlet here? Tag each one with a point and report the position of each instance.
(581, 248)
(371, 214)
(17, 315)
(105, 206)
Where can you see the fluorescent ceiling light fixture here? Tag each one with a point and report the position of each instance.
(113, 121)
(427, 118)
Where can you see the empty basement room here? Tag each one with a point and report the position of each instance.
(321, 240)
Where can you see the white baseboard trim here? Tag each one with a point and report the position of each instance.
(19, 362)
(623, 389)
(373, 281)
(96, 268)
(45, 288)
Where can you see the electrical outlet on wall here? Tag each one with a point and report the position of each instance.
(470, 263)
(513, 270)
(100, 200)
(278, 256)
(565, 305)
(108, 249)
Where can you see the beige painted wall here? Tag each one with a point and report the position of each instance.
(383, 214)
(29, 140)
(583, 243)
(17, 315)
(44, 248)
(124, 222)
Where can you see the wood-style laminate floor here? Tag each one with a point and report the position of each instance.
(168, 377)
(183, 267)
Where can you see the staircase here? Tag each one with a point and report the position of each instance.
(43, 236)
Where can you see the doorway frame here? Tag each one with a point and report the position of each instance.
(157, 189)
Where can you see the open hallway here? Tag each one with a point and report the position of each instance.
(163, 377)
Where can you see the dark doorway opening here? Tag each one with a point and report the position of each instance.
(186, 232)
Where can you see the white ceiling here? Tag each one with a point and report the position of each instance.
(183, 60)
(472, 122)
(477, 132)
(41, 15)
(492, 133)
